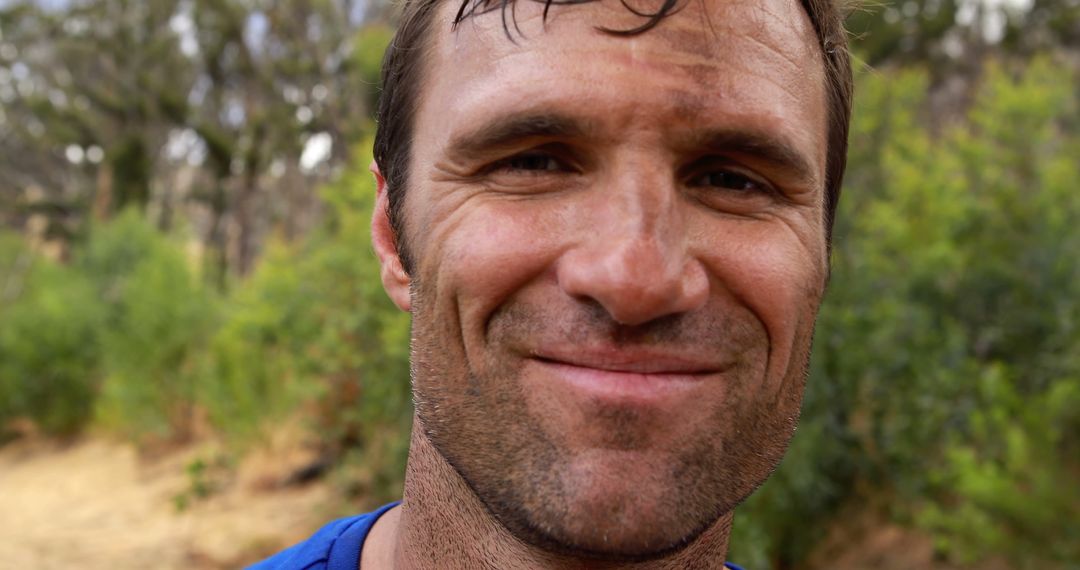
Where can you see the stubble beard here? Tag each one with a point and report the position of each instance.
(476, 416)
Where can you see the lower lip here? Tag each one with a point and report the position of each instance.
(627, 387)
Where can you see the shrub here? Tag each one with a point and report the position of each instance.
(50, 327)
(1008, 487)
(158, 315)
(312, 332)
(949, 331)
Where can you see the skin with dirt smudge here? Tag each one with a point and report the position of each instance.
(620, 251)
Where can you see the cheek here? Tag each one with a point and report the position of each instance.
(487, 252)
(781, 281)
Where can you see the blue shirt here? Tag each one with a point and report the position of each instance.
(335, 546)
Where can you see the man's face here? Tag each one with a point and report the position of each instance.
(619, 253)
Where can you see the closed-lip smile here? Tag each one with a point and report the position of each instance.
(638, 377)
(633, 361)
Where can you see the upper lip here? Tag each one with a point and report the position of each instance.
(634, 360)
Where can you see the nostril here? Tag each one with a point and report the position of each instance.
(694, 286)
(636, 279)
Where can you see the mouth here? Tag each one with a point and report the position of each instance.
(632, 361)
(629, 377)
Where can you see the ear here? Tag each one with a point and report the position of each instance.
(394, 279)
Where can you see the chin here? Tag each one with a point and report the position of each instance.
(625, 537)
(611, 506)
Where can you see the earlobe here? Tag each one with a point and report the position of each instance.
(394, 278)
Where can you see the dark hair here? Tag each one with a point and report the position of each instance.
(403, 64)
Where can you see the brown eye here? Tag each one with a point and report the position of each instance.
(727, 180)
(533, 162)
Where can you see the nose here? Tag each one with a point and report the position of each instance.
(636, 262)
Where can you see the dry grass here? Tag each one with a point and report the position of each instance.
(96, 504)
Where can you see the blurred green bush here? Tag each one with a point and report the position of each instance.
(50, 341)
(157, 314)
(128, 333)
(313, 332)
(945, 366)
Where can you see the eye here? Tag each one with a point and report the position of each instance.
(728, 180)
(533, 171)
(532, 162)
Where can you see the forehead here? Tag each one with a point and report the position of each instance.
(713, 61)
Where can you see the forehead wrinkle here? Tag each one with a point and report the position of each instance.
(790, 58)
(680, 47)
(699, 42)
(702, 48)
(706, 20)
(712, 79)
(802, 31)
(785, 22)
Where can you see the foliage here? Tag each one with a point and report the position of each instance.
(127, 331)
(50, 325)
(945, 358)
(111, 334)
(905, 31)
(313, 332)
(175, 106)
(948, 36)
(367, 57)
(1010, 491)
(205, 477)
(158, 312)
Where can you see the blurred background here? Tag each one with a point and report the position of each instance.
(198, 365)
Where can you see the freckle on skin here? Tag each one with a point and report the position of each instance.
(703, 75)
(687, 104)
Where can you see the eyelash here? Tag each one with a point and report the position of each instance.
(750, 184)
(734, 178)
(553, 163)
(508, 163)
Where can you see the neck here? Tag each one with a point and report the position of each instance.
(444, 525)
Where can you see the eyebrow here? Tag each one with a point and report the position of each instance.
(507, 130)
(759, 145)
(510, 129)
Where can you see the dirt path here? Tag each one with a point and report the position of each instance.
(96, 505)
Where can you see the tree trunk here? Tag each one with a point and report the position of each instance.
(103, 197)
(217, 260)
(245, 219)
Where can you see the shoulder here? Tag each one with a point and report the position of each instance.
(335, 546)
